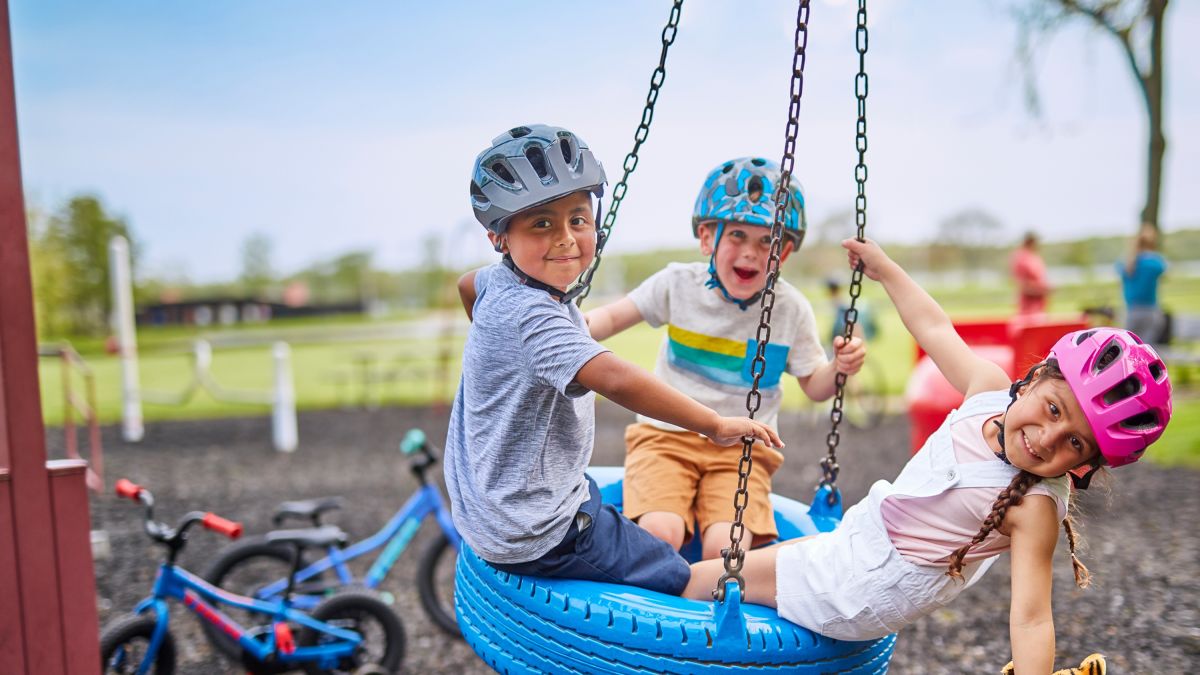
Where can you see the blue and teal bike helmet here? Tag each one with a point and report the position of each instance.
(530, 165)
(743, 190)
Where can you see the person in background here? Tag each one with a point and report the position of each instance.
(1029, 274)
(1140, 272)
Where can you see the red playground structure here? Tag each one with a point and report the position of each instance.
(1015, 344)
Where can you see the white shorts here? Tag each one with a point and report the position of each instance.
(852, 584)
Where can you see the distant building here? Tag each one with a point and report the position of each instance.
(229, 311)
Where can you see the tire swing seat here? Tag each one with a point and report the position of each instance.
(521, 624)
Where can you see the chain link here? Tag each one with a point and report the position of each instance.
(735, 556)
(829, 464)
(631, 160)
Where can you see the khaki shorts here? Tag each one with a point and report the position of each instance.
(686, 474)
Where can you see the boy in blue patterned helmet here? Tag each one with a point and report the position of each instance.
(675, 480)
(523, 422)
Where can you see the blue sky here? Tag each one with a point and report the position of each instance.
(338, 126)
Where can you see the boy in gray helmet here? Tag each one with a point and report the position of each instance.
(522, 426)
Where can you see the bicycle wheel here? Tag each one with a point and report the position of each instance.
(866, 397)
(124, 643)
(362, 612)
(435, 584)
(244, 568)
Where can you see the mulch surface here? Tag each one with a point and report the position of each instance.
(1143, 610)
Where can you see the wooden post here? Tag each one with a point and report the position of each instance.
(37, 551)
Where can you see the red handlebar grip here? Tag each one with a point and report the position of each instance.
(128, 489)
(216, 523)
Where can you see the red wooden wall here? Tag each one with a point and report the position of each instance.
(47, 583)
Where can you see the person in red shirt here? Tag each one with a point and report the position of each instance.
(1029, 274)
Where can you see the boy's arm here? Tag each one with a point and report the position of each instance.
(1034, 532)
(631, 387)
(848, 358)
(466, 291)
(968, 372)
(608, 320)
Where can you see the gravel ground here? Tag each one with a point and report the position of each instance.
(1143, 610)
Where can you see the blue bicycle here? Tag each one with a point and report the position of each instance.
(350, 632)
(257, 566)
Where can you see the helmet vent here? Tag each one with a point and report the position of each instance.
(1157, 371)
(727, 168)
(758, 161)
(537, 159)
(501, 171)
(1126, 388)
(754, 188)
(478, 196)
(520, 132)
(1141, 422)
(1083, 336)
(1112, 352)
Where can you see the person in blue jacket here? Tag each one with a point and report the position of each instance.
(1140, 273)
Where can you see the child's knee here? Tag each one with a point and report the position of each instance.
(716, 538)
(669, 527)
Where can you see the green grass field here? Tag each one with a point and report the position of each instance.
(328, 372)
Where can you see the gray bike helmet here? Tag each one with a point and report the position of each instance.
(530, 165)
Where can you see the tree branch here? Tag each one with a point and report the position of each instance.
(1100, 16)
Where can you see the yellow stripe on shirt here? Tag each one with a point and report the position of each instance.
(706, 343)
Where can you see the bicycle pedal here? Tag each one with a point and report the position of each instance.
(284, 640)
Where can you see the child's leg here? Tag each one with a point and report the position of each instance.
(669, 527)
(758, 571)
(660, 481)
(715, 499)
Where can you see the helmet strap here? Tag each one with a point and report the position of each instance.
(714, 281)
(1081, 482)
(1078, 482)
(527, 280)
(585, 281)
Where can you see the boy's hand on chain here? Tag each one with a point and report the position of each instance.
(730, 431)
(849, 356)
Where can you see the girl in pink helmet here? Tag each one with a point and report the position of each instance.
(995, 477)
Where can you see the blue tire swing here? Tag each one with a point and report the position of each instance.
(522, 624)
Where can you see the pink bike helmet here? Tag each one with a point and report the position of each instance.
(1122, 386)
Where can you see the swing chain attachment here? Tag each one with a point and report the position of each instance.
(829, 464)
(734, 555)
(631, 160)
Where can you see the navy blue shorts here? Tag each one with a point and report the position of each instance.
(603, 545)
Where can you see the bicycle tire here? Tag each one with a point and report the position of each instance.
(866, 397)
(220, 571)
(349, 609)
(126, 630)
(428, 585)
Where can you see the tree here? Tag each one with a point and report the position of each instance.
(1138, 27)
(257, 275)
(51, 279)
(85, 230)
(969, 232)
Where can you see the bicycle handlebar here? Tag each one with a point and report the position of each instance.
(128, 489)
(413, 441)
(224, 526)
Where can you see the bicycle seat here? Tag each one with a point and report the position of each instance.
(313, 537)
(306, 508)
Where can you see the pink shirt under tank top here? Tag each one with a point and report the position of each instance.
(927, 530)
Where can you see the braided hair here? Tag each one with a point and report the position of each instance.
(1015, 492)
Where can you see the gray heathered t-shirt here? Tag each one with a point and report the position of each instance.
(521, 430)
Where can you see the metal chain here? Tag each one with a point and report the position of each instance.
(639, 137)
(829, 464)
(735, 556)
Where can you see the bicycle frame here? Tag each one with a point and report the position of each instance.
(396, 534)
(201, 599)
